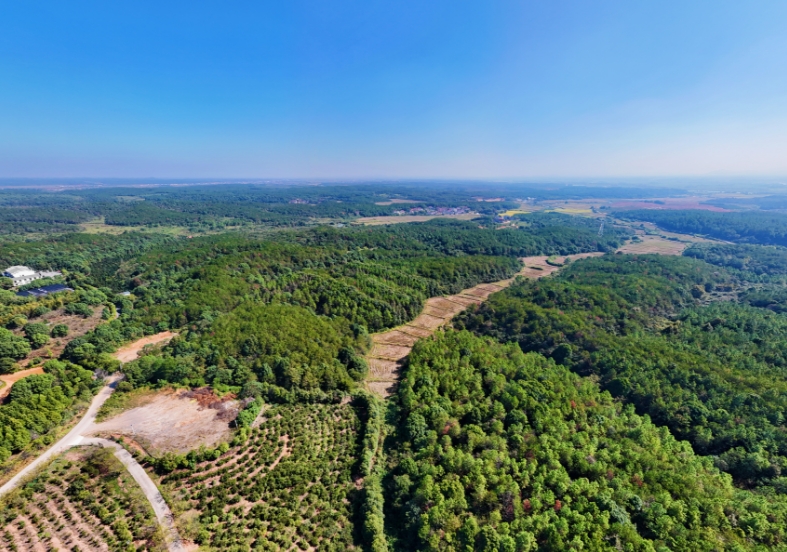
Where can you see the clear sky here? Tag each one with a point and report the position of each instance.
(372, 89)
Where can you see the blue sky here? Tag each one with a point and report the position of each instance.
(371, 89)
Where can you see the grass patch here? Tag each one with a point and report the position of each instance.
(120, 401)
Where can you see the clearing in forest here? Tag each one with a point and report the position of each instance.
(654, 244)
(389, 348)
(174, 421)
(77, 326)
(83, 500)
(288, 486)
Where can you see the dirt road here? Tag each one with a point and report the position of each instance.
(11, 379)
(72, 438)
(162, 511)
(391, 347)
(86, 425)
(129, 352)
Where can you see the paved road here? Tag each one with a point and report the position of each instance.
(163, 513)
(72, 438)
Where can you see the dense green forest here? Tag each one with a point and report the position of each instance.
(714, 374)
(293, 315)
(499, 450)
(740, 227)
(757, 262)
(40, 403)
(201, 207)
(630, 402)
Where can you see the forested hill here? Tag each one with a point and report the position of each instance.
(746, 227)
(212, 207)
(280, 315)
(714, 375)
(499, 450)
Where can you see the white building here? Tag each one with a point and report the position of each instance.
(21, 275)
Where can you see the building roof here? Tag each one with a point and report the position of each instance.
(44, 290)
(18, 271)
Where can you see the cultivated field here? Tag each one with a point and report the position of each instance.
(84, 500)
(668, 203)
(287, 487)
(391, 347)
(394, 201)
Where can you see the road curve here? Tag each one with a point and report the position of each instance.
(72, 438)
(163, 513)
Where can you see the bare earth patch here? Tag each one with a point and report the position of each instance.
(130, 352)
(174, 421)
(391, 347)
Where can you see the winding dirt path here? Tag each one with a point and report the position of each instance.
(160, 508)
(390, 348)
(71, 438)
(11, 379)
(85, 426)
(130, 352)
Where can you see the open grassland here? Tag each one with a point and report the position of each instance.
(654, 244)
(84, 500)
(99, 227)
(288, 486)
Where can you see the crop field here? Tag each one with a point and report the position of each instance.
(84, 500)
(669, 203)
(288, 486)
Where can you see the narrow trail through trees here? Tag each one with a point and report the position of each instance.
(390, 348)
